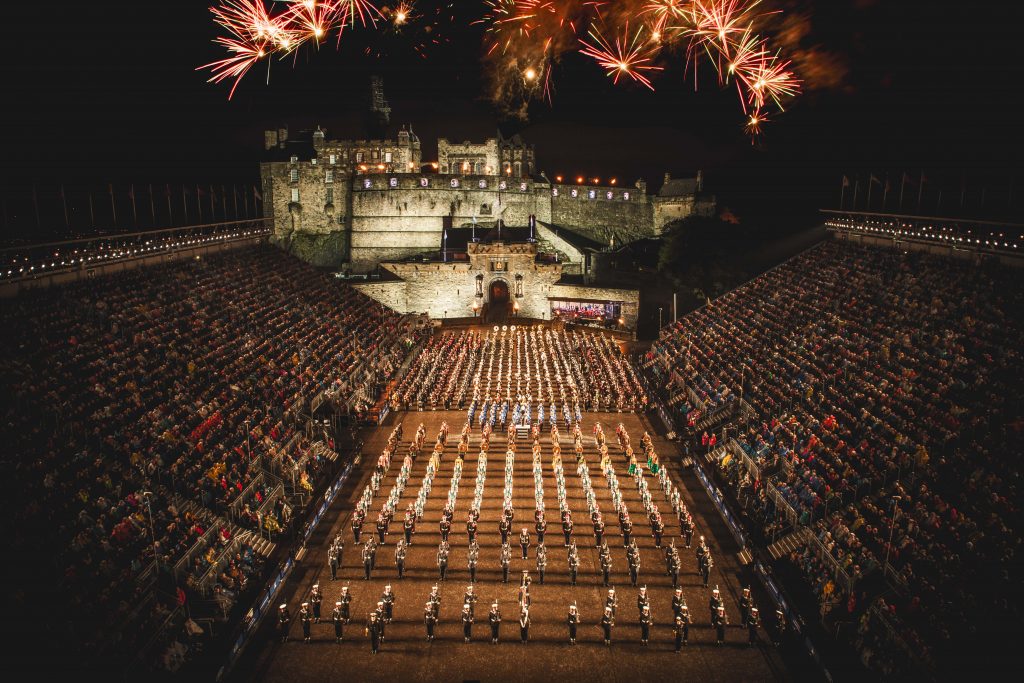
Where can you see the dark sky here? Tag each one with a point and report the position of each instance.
(99, 92)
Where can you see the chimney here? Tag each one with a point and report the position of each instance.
(700, 180)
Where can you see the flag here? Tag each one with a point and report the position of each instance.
(903, 183)
(872, 179)
(842, 192)
(885, 192)
(256, 193)
(846, 181)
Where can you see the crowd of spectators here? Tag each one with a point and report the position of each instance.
(131, 398)
(885, 390)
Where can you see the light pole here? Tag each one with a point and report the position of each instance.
(892, 528)
(147, 498)
(659, 317)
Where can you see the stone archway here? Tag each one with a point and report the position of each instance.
(499, 301)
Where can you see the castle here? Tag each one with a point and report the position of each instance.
(359, 203)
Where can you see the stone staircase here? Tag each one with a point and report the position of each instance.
(789, 543)
(260, 545)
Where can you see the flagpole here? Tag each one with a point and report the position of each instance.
(856, 191)
(135, 211)
(224, 201)
(885, 191)
(152, 206)
(903, 185)
(170, 211)
(213, 206)
(184, 202)
(92, 213)
(842, 192)
(234, 195)
(113, 206)
(920, 191)
(871, 184)
(64, 201)
(35, 203)
(199, 202)
(245, 200)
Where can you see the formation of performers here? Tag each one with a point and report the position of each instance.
(378, 619)
(509, 366)
(643, 460)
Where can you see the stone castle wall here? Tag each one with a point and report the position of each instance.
(379, 217)
(599, 212)
(398, 216)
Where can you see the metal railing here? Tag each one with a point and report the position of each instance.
(48, 258)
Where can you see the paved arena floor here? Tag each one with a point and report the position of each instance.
(407, 656)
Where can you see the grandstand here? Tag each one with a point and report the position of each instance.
(187, 438)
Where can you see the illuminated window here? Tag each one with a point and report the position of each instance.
(625, 195)
(455, 182)
(574, 192)
(330, 195)
(393, 182)
(502, 185)
(295, 159)
(591, 194)
(554, 192)
(329, 176)
(387, 157)
(334, 159)
(293, 175)
(482, 184)
(367, 183)
(608, 195)
(295, 194)
(424, 182)
(522, 187)
(359, 157)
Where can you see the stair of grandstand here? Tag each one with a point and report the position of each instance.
(789, 543)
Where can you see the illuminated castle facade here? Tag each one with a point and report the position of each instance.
(357, 203)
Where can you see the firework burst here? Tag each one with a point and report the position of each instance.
(625, 56)
(524, 41)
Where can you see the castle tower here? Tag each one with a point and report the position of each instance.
(380, 110)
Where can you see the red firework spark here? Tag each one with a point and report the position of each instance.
(624, 57)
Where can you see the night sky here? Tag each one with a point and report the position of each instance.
(99, 93)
